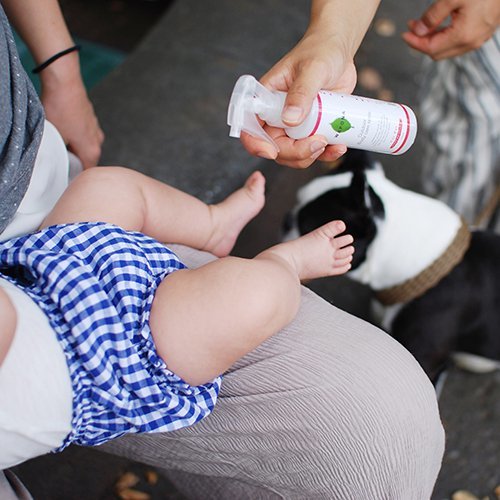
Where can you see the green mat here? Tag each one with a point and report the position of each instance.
(96, 61)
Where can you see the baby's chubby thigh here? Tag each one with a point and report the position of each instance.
(205, 319)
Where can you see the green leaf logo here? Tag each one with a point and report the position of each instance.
(340, 125)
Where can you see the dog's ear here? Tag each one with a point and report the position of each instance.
(358, 189)
(377, 207)
(355, 160)
(364, 196)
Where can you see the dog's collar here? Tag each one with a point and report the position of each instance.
(431, 275)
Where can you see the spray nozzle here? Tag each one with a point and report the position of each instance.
(249, 99)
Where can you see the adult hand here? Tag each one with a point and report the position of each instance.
(323, 59)
(311, 66)
(68, 107)
(472, 22)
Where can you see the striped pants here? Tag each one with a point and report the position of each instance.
(460, 127)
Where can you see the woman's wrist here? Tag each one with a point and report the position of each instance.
(342, 24)
(62, 71)
(55, 57)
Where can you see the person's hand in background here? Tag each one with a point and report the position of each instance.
(449, 28)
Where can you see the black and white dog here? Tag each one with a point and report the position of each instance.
(436, 284)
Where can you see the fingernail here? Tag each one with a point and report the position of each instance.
(420, 28)
(317, 147)
(341, 149)
(291, 114)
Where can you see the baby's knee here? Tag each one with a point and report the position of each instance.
(107, 174)
(104, 182)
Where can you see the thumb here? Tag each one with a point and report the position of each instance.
(301, 95)
(433, 17)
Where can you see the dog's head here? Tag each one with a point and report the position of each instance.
(344, 194)
(397, 233)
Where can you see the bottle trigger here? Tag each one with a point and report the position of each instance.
(242, 115)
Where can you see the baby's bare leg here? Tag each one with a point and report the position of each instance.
(136, 202)
(205, 319)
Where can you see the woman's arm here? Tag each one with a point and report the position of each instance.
(41, 25)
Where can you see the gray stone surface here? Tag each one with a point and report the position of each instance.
(164, 112)
(470, 410)
(165, 109)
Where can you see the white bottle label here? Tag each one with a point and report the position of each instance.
(359, 122)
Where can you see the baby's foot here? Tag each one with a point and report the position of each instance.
(231, 215)
(320, 253)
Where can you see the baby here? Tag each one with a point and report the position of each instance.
(104, 331)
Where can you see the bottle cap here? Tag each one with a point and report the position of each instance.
(249, 99)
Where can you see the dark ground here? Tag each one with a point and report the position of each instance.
(470, 404)
(119, 24)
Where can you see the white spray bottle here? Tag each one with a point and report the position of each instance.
(357, 122)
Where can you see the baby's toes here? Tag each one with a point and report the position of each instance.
(256, 183)
(332, 229)
(338, 270)
(342, 262)
(342, 253)
(343, 241)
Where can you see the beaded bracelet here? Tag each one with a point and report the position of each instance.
(50, 60)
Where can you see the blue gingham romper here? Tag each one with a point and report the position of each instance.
(96, 283)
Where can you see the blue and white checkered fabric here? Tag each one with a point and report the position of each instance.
(96, 283)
